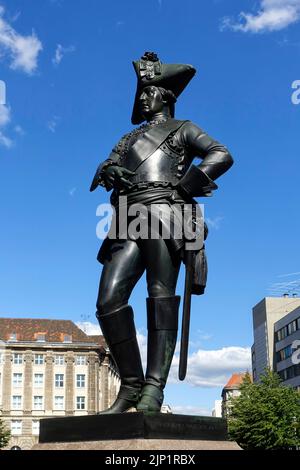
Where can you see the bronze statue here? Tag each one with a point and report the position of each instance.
(152, 165)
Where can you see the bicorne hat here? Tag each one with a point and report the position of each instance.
(151, 71)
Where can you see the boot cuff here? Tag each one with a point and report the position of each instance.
(118, 326)
(162, 312)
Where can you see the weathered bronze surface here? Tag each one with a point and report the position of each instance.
(153, 165)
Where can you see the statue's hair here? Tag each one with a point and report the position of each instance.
(168, 95)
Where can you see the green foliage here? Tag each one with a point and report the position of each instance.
(266, 415)
(4, 435)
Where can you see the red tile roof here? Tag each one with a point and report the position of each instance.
(235, 381)
(27, 329)
(99, 339)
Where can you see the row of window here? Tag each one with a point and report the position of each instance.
(286, 352)
(287, 330)
(38, 380)
(16, 427)
(39, 359)
(290, 372)
(38, 402)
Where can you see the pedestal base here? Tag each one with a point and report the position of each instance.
(132, 426)
(141, 445)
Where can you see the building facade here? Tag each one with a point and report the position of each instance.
(231, 391)
(217, 411)
(265, 315)
(287, 348)
(51, 368)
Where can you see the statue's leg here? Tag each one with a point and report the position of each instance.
(162, 317)
(122, 269)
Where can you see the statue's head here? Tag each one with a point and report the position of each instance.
(158, 85)
(154, 100)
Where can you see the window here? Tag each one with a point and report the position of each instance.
(67, 338)
(290, 372)
(38, 402)
(17, 380)
(59, 360)
(38, 380)
(284, 332)
(12, 337)
(16, 427)
(39, 359)
(80, 380)
(59, 403)
(41, 337)
(59, 380)
(16, 402)
(292, 327)
(298, 323)
(18, 358)
(81, 360)
(80, 403)
(35, 427)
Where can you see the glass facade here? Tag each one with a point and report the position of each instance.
(290, 372)
(287, 330)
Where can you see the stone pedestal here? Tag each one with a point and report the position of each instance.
(134, 431)
(128, 445)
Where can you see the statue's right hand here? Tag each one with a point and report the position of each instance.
(117, 176)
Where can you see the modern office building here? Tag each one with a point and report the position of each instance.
(51, 368)
(287, 348)
(275, 327)
(217, 411)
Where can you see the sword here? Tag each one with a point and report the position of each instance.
(186, 315)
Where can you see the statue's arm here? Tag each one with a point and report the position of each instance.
(216, 160)
(99, 178)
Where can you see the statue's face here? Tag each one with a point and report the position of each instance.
(151, 101)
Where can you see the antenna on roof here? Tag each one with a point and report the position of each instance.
(85, 318)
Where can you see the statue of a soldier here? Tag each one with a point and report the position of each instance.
(152, 165)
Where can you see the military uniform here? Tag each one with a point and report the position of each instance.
(161, 154)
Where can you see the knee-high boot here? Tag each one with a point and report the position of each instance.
(119, 332)
(162, 316)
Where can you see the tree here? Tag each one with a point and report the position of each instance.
(4, 434)
(266, 415)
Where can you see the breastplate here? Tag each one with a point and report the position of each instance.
(158, 167)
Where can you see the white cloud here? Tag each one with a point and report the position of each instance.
(190, 410)
(289, 274)
(89, 328)
(23, 51)
(72, 191)
(5, 141)
(272, 15)
(214, 223)
(5, 118)
(5, 115)
(19, 130)
(213, 368)
(52, 124)
(60, 52)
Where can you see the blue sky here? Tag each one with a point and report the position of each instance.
(70, 87)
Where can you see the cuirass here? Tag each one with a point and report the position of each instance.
(159, 166)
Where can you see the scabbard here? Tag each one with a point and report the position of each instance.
(186, 315)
